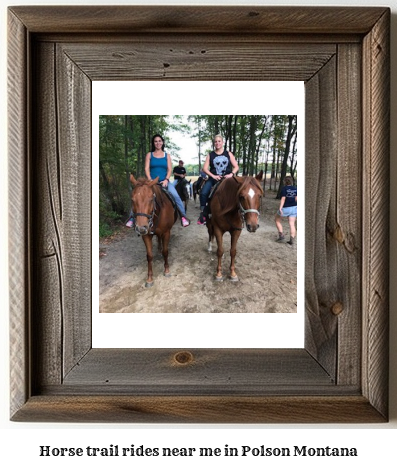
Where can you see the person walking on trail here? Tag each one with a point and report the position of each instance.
(288, 209)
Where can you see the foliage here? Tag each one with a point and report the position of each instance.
(266, 142)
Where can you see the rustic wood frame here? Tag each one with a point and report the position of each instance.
(343, 56)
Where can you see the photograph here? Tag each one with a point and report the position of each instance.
(99, 230)
(198, 213)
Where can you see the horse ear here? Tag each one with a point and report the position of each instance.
(153, 182)
(259, 176)
(132, 179)
(239, 180)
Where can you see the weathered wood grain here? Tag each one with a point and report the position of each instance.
(376, 149)
(205, 369)
(199, 409)
(341, 376)
(321, 163)
(345, 228)
(180, 59)
(197, 20)
(19, 223)
(47, 204)
(73, 89)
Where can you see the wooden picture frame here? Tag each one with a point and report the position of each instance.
(342, 54)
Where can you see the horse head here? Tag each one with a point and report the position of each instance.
(143, 200)
(250, 194)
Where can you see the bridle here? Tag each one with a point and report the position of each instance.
(244, 211)
(150, 217)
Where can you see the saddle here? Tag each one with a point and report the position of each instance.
(206, 210)
(168, 194)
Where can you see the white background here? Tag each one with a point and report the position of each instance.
(20, 442)
(123, 330)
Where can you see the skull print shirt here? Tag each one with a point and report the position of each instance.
(220, 164)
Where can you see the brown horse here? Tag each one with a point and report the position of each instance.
(197, 187)
(235, 202)
(153, 214)
(183, 190)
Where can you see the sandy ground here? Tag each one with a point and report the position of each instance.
(266, 270)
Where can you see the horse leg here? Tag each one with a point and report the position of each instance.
(219, 241)
(166, 239)
(148, 239)
(210, 235)
(233, 250)
(210, 240)
(159, 244)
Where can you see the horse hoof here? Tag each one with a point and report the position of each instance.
(149, 284)
(234, 278)
(219, 278)
(167, 274)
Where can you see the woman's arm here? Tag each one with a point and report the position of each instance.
(235, 167)
(169, 171)
(206, 167)
(147, 166)
(282, 201)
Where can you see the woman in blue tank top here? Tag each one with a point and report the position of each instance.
(159, 164)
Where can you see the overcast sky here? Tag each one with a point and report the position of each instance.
(188, 145)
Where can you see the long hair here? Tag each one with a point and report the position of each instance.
(153, 138)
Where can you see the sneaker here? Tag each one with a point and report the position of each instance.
(185, 221)
(281, 238)
(130, 222)
(201, 221)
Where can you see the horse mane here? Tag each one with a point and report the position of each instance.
(229, 191)
(227, 194)
(251, 181)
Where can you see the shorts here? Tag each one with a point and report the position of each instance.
(290, 211)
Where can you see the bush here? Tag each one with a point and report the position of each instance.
(104, 230)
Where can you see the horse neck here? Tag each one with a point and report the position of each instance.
(227, 195)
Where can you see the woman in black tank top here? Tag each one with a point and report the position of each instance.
(219, 164)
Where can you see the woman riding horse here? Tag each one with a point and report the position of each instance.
(158, 164)
(218, 164)
(154, 214)
(236, 201)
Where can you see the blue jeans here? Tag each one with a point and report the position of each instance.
(205, 191)
(177, 198)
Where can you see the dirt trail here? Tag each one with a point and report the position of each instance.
(266, 270)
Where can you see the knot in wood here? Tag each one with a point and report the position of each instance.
(339, 235)
(183, 358)
(337, 308)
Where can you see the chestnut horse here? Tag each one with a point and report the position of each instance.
(153, 214)
(235, 202)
